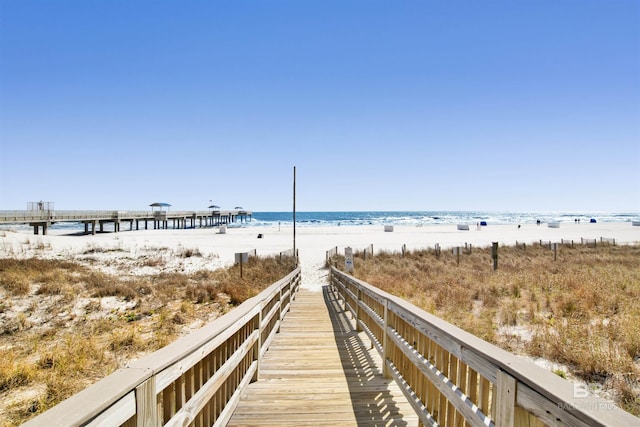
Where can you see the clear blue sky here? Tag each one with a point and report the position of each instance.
(381, 105)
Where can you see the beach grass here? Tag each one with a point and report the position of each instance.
(65, 325)
(581, 311)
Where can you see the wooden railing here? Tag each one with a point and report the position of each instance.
(453, 378)
(330, 254)
(60, 215)
(196, 380)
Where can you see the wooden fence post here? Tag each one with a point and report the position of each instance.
(456, 252)
(494, 254)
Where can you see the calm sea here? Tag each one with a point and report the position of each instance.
(311, 219)
(318, 219)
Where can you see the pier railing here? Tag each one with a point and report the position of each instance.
(60, 215)
(44, 218)
(453, 378)
(196, 380)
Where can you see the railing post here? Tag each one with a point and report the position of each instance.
(257, 351)
(358, 328)
(279, 308)
(146, 404)
(295, 284)
(505, 396)
(385, 340)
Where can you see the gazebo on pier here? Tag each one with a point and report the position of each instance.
(215, 215)
(159, 210)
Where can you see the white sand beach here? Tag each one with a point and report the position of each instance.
(120, 253)
(312, 242)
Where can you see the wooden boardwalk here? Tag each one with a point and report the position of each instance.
(320, 371)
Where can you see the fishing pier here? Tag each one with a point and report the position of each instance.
(101, 221)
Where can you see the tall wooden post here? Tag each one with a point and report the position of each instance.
(494, 254)
(295, 254)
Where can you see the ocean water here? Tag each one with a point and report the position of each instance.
(412, 218)
(311, 219)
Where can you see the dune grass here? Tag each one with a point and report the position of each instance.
(581, 311)
(65, 325)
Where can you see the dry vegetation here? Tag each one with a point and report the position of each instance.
(66, 324)
(581, 311)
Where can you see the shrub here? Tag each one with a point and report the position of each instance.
(188, 253)
(202, 293)
(126, 339)
(15, 284)
(14, 373)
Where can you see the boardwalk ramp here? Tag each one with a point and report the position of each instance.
(320, 371)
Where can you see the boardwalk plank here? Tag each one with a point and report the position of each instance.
(319, 371)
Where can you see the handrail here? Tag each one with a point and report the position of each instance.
(60, 215)
(196, 378)
(452, 377)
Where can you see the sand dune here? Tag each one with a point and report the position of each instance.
(311, 242)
